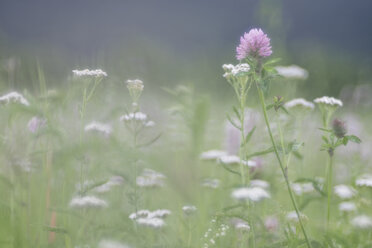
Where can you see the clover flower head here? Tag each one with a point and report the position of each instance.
(35, 124)
(299, 103)
(14, 97)
(292, 72)
(255, 43)
(89, 73)
(250, 193)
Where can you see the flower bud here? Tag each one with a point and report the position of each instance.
(339, 128)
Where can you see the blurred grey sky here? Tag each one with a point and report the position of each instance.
(85, 26)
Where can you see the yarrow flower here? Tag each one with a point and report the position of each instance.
(150, 178)
(364, 180)
(35, 124)
(328, 101)
(135, 88)
(212, 154)
(260, 183)
(98, 127)
(292, 72)
(299, 103)
(231, 70)
(252, 193)
(344, 191)
(113, 181)
(347, 206)
(240, 224)
(152, 219)
(189, 209)
(362, 222)
(111, 244)
(14, 97)
(89, 73)
(87, 202)
(235, 160)
(301, 188)
(292, 216)
(212, 183)
(255, 43)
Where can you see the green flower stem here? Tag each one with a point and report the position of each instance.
(242, 145)
(329, 188)
(262, 100)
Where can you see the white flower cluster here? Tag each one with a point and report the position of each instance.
(347, 207)
(137, 117)
(292, 216)
(299, 102)
(14, 97)
(344, 191)
(292, 72)
(111, 244)
(362, 222)
(259, 183)
(212, 154)
(329, 101)
(231, 70)
(250, 193)
(95, 126)
(235, 160)
(87, 202)
(212, 183)
(240, 224)
(189, 209)
(364, 180)
(135, 84)
(89, 73)
(113, 181)
(211, 236)
(150, 178)
(154, 219)
(301, 188)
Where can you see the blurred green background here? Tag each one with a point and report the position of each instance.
(167, 42)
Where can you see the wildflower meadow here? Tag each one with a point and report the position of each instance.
(105, 161)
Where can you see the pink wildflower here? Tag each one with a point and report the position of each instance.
(255, 43)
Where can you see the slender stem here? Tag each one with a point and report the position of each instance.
(262, 100)
(242, 142)
(329, 188)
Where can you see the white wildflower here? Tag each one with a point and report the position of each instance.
(111, 244)
(229, 159)
(364, 180)
(150, 178)
(212, 183)
(292, 216)
(301, 188)
(329, 101)
(344, 191)
(189, 209)
(89, 73)
(260, 183)
(153, 222)
(135, 84)
(87, 202)
(231, 70)
(347, 206)
(292, 72)
(299, 102)
(14, 97)
(137, 116)
(98, 127)
(254, 194)
(240, 224)
(362, 222)
(212, 154)
(113, 181)
(149, 124)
